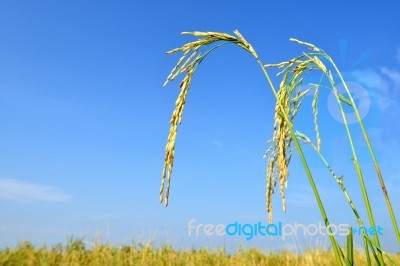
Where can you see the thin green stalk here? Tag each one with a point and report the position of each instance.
(356, 165)
(350, 245)
(339, 98)
(305, 165)
(374, 253)
(341, 185)
(338, 180)
(371, 151)
(380, 249)
(367, 251)
(321, 66)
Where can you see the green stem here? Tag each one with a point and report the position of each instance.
(339, 181)
(371, 151)
(356, 165)
(380, 249)
(341, 185)
(305, 165)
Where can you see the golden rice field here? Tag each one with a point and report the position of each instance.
(75, 253)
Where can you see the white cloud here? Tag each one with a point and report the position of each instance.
(366, 77)
(392, 75)
(391, 92)
(383, 87)
(21, 191)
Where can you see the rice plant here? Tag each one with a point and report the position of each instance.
(285, 139)
(76, 253)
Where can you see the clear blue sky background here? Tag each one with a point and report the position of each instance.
(84, 118)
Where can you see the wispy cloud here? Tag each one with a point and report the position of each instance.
(393, 75)
(366, 77)
(391, 93)
(379, 88)
(383, 87)
(21, 191)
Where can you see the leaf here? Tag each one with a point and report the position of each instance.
(350, 244)
(345, 100)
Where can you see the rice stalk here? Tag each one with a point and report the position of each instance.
(371, 151)
(187, 65)
(316, 55)
(289, 100)
(337, 251)
(339, 180)
(312, 62)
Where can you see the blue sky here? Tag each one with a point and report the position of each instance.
(84, 118)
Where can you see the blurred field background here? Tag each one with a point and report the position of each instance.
(75, 252)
